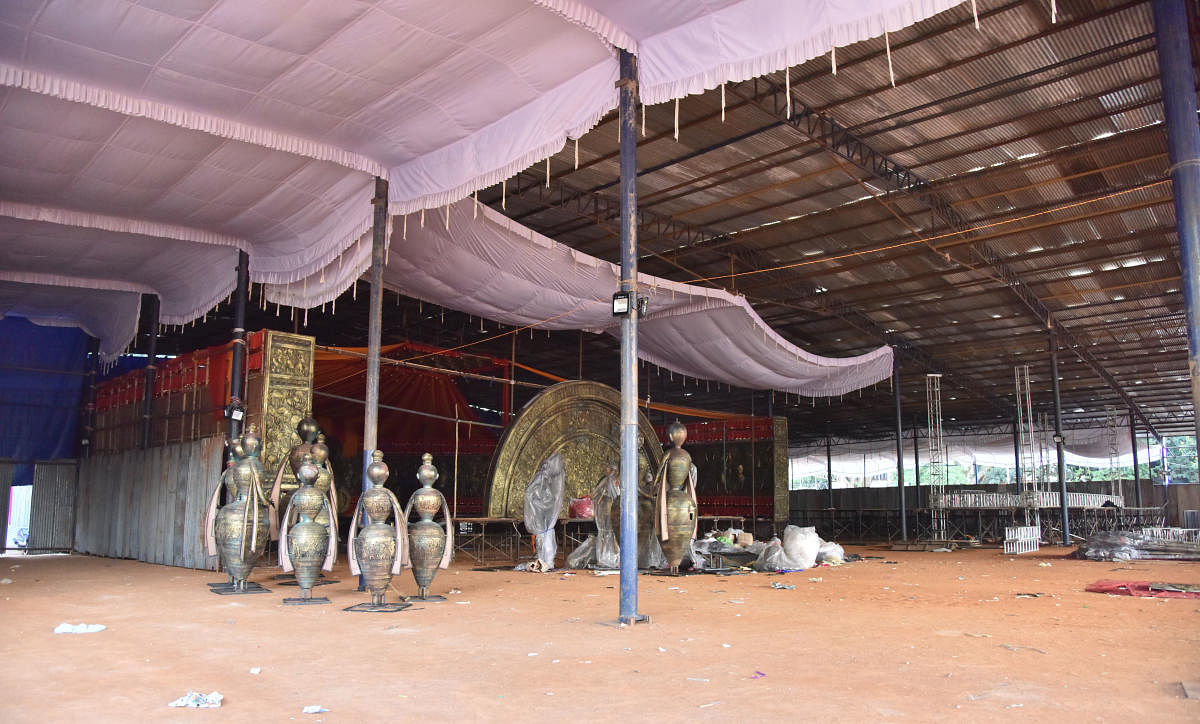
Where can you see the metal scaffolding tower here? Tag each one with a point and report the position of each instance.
(1114, 452)
(1027, 538)
(937, 457)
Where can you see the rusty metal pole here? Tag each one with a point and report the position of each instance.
(151, 367)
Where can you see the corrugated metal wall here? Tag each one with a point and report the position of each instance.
(52, 508)
(149, 504)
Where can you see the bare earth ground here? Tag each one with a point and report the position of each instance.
(932, 637)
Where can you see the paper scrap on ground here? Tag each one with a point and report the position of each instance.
(80, 628)
(313, 709)
(196, 700)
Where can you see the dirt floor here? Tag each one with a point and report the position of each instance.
(908, 636)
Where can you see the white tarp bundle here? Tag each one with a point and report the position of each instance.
(481, 262)
(216, 125)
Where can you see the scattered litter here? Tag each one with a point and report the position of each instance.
(555, 661)
(256, 670)
(818, 579)
(599, 572)
(978, 635)
(1043, 565)
(313, 709)
(453, 591)
(549, 693)
(672, 588)
(1014, 706)
(784, 586)
(462, 603)
(1145, 589)
(694, 678)
(80, 628)
(891, 563)
(725, 646)
(711, 703)
(196, 700)
(736, 600)
(758, 675)
(1191, 689)
(940, 550)
(5, 581)
(1030, 595)
(661, 650)
(533, 653)
(1011, 647)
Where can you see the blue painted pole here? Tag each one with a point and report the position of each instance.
(629, 375)
(1183, 152)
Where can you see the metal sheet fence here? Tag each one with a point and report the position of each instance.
(148, 504)
(52, 507)
(6, 476)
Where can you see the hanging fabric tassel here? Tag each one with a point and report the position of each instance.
(422, 218)
(676, 119)
(355, 290)
(276, 309)
(504, 195)
(787, 84)
(643, 120)
(576, 154)
(833, 59)
(306, 316)
(322, 307)
(975, 12)
(322, 275)
(722, 103)
(447, 207)
(1053, 11)
(547, 172)
(887, 44)
(404, 228)
(475, 208)
(333, 307)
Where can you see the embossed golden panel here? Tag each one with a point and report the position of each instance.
(579, 418)
(286, 393)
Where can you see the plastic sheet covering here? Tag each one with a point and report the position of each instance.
(1132, 546)
(796, 552)
(39, 410)
(487, 265)
(543, 503)
(108, 315)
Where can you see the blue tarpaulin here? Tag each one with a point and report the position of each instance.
(41, 384)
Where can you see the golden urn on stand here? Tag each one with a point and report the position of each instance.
(429, 546)
(306, 546)
(376, 551)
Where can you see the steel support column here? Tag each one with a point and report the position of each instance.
(1017, 451)
(151, 308)
(629, 373)
(1183, 152)
(237, 374)
(374, 326)
(829, 468)
(1137, 474)
(1058, 440)
(916, 465)
(899, 449)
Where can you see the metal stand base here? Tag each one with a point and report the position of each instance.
(377, 607)
(635, 618)
(432, 598)
(320, 582)
(305, 601)
(226, 589)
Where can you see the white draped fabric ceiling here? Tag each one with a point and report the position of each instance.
(143, 143)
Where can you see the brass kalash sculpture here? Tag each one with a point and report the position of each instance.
(306, 546)
(287, 482)
(429, 546)
(675, 518)
(377, 550)
(238, 531)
